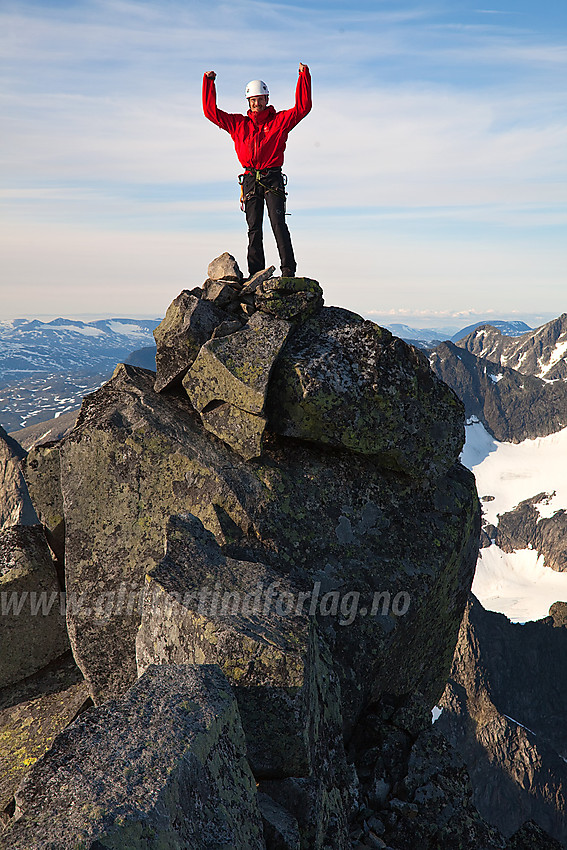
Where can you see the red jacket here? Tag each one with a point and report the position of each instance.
(259, 137)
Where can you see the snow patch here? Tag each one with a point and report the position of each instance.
(520, 362)
(512, 472)
(127, 330)
(436, 713)
(546, 507)
(517, 722)
(496, 378)
(517, 584)
(556, 355)
(85, 330)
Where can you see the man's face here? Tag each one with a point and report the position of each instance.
(258, 103)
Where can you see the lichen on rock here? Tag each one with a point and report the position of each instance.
(289, 297)
(163, 767)
(228, 382)
(346, 382)
(32, 713)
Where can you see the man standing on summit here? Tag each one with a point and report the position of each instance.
(260, 137)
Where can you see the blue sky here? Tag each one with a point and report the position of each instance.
(427, 186)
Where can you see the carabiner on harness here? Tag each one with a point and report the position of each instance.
(258, 175)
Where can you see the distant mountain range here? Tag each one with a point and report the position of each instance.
(516, 385)
(428, 337)
(542, 353)
(512, 405)
(46, 368)
(67, 345)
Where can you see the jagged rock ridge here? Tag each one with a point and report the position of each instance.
(542, 352)
(504, 710)
(525, 528)
(512, 405)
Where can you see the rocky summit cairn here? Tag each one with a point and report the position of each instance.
(267, 547)
(286, 363)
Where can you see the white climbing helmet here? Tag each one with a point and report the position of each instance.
(255, 88)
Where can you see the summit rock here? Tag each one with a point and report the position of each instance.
(285, 452)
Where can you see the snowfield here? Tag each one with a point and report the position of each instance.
(517, 584)
(512, 472)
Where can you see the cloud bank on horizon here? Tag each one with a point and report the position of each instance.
(428, 181)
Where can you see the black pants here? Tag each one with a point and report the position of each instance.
(255, 194)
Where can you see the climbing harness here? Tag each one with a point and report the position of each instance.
(261, 174)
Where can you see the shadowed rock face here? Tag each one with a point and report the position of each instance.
(42, 474)
(32, 712)
(504, 710)
(188, 323)
(32, 623)
(15, 504)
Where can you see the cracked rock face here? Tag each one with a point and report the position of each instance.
(228, 382)
(188, 323)
(237, 367)
(275, 657)
(336, 520)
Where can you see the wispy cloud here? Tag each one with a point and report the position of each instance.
(425, 122)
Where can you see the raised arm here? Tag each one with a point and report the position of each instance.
(224, 120)
(302, 98)
(303, 92)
